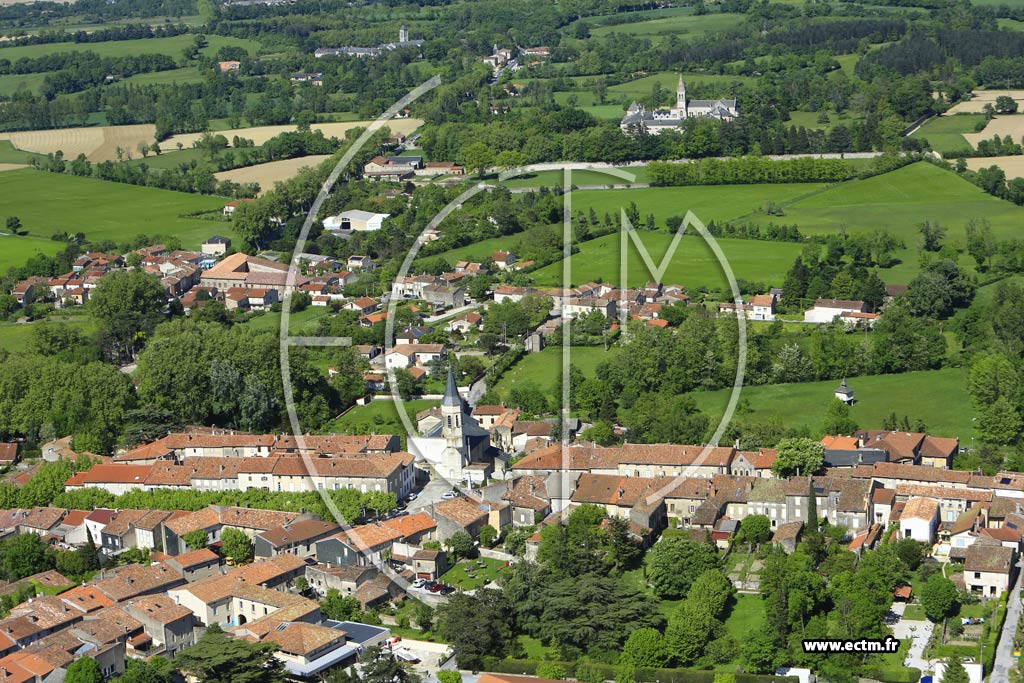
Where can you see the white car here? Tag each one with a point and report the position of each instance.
(418, 583)
(412, 496)
(451, 495)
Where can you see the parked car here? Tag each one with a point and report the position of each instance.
(412, 496)
(419, 583)
(451, 495)
(436, 588)
(447, 590)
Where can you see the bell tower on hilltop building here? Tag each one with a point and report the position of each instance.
(455, 453)
(681, 98)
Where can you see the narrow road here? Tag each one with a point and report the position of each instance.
(1004, 651)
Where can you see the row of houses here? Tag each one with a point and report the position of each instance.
(387, 473)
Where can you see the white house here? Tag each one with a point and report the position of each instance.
(354, 219)
(409, 355)
(919, 519)
(762, 307)
(827, 310)
(217, 245)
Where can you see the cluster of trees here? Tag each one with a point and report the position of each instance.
(823, 591)
(567, 599)
(993, 180)
(24, 555)
(749, 170)
(842, 273)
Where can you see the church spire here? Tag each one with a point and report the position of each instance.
(681, 93)
(451, 391)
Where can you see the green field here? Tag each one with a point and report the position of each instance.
(747, 616)
(694, 264)
(300, 322)
(900, 201)
(459, 575)
(720, 85)
(183, 75)
(12, 83)
(544, 368)
(809, 120)
(578, 178)
(9, 154)
(945, 133)
(15, 336)
(678, 25)
(378, 417)
(173, 46)
(712, 202)
(100, 209)
(937, 397)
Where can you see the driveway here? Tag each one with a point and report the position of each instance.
(919, 632)
(1004, 651)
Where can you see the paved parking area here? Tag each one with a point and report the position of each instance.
(919, 632)
(431, 493)
(431, 655)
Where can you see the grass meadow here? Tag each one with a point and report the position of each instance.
(674, 25)
(694, 264)
(100, 209)
(900, 201)
(936, 397)
(378, 417)
(173, 46)
(945, 133)
(543, 368)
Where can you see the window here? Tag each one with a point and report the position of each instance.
(977, 575)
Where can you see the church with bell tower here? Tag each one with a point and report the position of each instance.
(640, 120)
(456, 446)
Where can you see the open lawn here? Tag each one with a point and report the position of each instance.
(543, 368)
(183, 75)
(809, 120)
(378, 417)
(470, 575)
(946, 133)
(747, 616)
(679, 25)
(14, 337)
(579, 178)
(694, 264)
(713, 202)
(12, 83)
(936, 397)
(300, 322)
(9, 154)
(100, 209)
(173, 46)
(16, 250)
(900, 201)
(695, 82)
